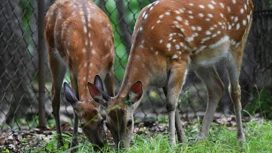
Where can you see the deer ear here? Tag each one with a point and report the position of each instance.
(135, 92)
(98, 82)
(69, 94)
(95, 92)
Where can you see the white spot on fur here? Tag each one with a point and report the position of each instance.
(214, 35)
(201, 6)
(177, 11)
(222, 5)
(210, 6)
(229, 27)
(244, 22)
(229, 9)
(248, 18)
(146, 15)
(210, 15)
(208, 32)
(85, 29)
(193, 28)
(161, 16)
(168, 46)
(161, 41)
(84, 50)
(174, 56)
(186, 22)
(199, 28)
(237, 26)
(177, 47)
(178, 18)
(236, 19)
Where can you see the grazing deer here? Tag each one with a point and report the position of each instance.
(172, 37)
(79, 35)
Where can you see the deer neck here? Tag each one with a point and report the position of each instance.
(136, 70)
(82, 77)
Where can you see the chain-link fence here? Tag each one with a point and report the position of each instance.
(19, 63)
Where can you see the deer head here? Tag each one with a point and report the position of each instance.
(90, 113)
(119, 113)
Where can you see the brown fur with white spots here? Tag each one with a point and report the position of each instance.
(172, 37)
(79, 36)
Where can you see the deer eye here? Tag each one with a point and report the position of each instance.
(129, 123)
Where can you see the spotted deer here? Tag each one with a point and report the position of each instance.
(79, 36)
(172, 37)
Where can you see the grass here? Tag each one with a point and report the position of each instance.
(221, 139)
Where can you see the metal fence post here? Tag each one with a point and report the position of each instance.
(41, 73)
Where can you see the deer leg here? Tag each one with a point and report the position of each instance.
(175, 82)
(75, 129)
(180, 132)
(234, 87)
(178, 124)
(58, 71)
(215, 89)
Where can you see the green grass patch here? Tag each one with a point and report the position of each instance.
(221, 139)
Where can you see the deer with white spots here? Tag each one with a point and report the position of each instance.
(172, 37)
(79, 36)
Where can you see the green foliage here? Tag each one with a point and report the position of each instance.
(4, 150)
(27, 12)
(27, 9)
(261, 104)
(163, 119)
(259, 136)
